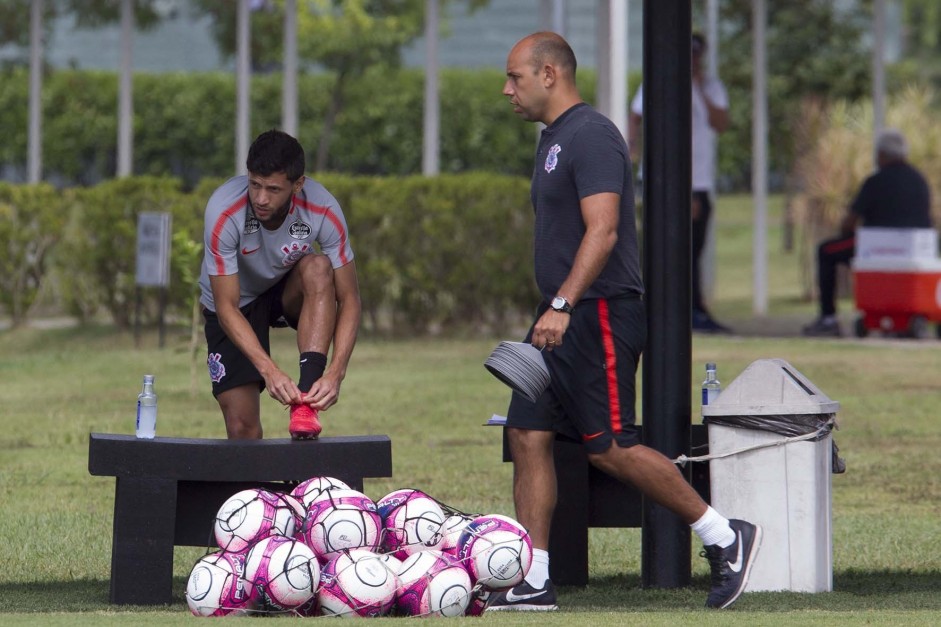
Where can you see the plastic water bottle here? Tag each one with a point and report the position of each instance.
(147, 409)
(711, 386)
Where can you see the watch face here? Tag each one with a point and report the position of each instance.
(558, 302)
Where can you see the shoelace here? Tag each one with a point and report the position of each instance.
(716, 564)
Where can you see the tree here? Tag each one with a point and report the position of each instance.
(921, 41)
(815, 49)
(343, 36)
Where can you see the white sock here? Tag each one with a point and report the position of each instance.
(713, 528)
(539, 570)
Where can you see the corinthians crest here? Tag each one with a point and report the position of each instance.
(552, 159)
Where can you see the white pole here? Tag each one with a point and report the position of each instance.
(712, 35)
(242, 80)
(603, 56)
(558, 17)
(126, 93)
(617, 64)
(34, 150)
(551, 18)
(289, 79)
(760, 159)
(430, 162)
(707, 260)
(878, 67)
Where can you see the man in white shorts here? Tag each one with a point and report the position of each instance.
(277, 253)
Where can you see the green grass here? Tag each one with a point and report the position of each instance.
(431, 396)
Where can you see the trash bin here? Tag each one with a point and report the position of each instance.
(771, 457)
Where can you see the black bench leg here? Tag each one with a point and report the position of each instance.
(568, 538)
(142, 543)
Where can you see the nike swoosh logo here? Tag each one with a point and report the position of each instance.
(593, 436)
(735, 566)
(246, 251)
(513, 598)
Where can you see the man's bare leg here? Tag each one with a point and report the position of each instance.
(655, 476)
(241, 409)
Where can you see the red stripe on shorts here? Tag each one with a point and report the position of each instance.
(840, 245)
(610, 364)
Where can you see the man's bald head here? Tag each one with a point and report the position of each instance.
(547, 48)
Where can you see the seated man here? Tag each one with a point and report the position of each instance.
(897, 196)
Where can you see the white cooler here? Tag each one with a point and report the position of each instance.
(784, 486)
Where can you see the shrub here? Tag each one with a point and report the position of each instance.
(452, 251)
(99, 253)
(32, 219)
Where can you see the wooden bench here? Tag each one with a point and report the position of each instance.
(168, 491)
(589, 498)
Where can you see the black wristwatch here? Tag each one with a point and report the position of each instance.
(561, 305)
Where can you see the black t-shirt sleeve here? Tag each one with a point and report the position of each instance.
(599, 162)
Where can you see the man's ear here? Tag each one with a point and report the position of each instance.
(298, 184)
(549, 75)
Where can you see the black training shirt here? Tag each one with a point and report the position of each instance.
(897, 196)
(581, 154)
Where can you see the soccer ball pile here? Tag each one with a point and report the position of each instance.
(326, 549)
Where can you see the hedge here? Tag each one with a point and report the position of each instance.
(184, 123)
(431, 252)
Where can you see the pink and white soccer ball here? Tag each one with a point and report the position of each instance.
(496, 551)
(251, 515)
(283, 573)
(391, 562)
(433, 585)
(411, 522)
(418, 564)
(215, 586)
(341, 519)
(306, 491)
(451, 530)
(357, 582)
(298, 509)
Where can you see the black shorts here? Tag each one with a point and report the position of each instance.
(228, 367)
(592, 393)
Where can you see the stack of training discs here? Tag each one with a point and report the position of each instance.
(520, 366)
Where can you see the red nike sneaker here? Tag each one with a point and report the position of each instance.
(305, 423)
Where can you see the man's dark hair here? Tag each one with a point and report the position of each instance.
(698, 43)
(549, 46)
(275, 151)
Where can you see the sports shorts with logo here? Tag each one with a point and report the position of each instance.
(228, 366)
(592, 393)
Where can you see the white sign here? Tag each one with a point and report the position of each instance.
(153, 249)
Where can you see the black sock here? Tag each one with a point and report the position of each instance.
(312, 367)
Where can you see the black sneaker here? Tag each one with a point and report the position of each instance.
(823, 327)
(731, 565)
(702, 322)
(524, 598)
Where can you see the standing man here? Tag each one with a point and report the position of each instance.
(592, 325)
(262, 269)
(897, 196)
(710, 108)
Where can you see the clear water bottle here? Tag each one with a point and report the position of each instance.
(711, 386)
(147, 409)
